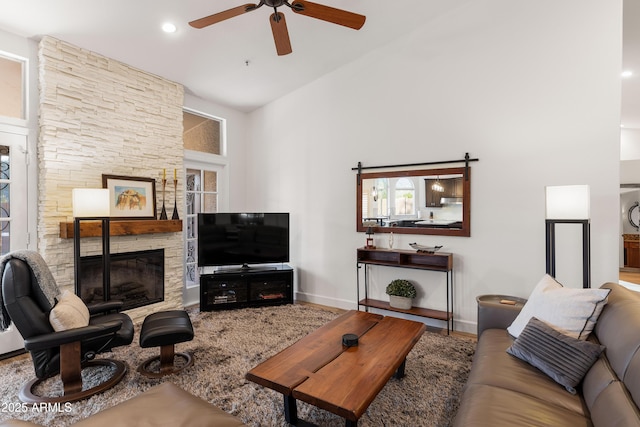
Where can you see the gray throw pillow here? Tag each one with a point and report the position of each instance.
(563, 358)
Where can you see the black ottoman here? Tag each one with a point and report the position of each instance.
(164, 330)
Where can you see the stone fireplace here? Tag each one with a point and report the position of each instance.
(100, 116)
(137, 278)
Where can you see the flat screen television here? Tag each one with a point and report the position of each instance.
(242, 238)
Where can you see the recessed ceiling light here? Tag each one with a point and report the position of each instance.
(627, 73)
(168, 27)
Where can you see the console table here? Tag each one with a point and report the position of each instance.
(438, 261)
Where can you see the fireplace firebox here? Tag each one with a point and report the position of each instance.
(137, 278)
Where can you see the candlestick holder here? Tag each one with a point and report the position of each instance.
(163, 212)
(175, 199)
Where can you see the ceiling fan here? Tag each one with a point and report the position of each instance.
(279, 24)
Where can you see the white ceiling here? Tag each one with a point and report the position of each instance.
(212, 62)
(234, 62)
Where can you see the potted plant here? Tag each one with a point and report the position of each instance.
(401, 293)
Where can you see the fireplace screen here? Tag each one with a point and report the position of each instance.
(137, 278)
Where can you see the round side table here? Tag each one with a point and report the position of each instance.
(497, 311)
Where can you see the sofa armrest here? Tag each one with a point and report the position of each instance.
(494, 313)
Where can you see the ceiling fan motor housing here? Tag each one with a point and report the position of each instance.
(276, 3)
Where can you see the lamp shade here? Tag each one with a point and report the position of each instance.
(90, 202)
(567, 202)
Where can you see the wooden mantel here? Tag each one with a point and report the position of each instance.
(122, 228)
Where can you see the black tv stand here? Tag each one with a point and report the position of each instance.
(246, 287)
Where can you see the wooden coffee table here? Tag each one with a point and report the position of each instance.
(319, 370)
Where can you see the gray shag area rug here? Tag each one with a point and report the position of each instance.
(230, 343)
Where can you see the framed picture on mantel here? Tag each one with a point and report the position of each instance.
(131, 197)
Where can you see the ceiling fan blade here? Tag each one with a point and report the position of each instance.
(280, 33)
(221, 16)
(329, 14)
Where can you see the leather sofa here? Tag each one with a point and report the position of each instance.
(163, 405)
(502, 390)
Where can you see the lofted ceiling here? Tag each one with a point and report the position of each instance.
(234, 62)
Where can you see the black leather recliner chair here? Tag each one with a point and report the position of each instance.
(65, 352)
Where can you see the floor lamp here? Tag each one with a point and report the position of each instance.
(92, 204)
(568, 204)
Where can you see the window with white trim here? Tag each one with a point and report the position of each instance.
(12, 87)
(205, 170)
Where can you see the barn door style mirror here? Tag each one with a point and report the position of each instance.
(421, 201)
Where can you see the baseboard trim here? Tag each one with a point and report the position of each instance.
(11, 354)
(321, 300)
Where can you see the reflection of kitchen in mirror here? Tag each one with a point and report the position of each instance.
(415, 202)
(630, 253)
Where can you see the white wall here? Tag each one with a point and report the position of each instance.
(629, 144)
(530, 88)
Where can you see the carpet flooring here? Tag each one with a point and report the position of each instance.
(230, 343)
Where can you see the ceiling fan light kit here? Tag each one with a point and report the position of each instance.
(279, 23)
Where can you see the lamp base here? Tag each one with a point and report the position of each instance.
(550, 243)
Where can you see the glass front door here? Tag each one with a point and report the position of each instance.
(13, 212)
(202, 196)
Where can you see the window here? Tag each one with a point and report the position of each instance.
(375, 202)
(13, 190)
(5, 203)
(202, 196)
(14, 211)
(201, 133)
(12, 92)
(405, 197)
(205, 172)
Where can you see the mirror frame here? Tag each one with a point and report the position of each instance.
(629, 211)
(465, 231)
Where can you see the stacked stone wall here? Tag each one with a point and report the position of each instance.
(100, 116)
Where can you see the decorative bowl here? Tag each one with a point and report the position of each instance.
(425, 249)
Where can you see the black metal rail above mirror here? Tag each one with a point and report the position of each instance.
(466, 161)
(415, 201)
